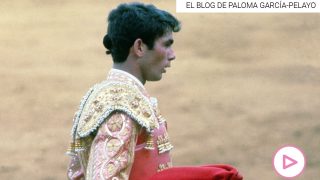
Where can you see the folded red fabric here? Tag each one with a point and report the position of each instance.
(207, 172)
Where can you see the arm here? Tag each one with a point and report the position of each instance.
(112, 150)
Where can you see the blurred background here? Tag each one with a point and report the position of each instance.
(242, 85)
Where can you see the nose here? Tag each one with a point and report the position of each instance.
(171, 55)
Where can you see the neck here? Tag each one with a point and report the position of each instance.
(129, 68)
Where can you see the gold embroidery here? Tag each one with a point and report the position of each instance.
(146, 113)
(161, 119)
(110, 170)
(112, 158)
(75, 146)
(117, 93)
(87, 117)
(164, 166)
(113, 146)
(163, 143)
(112, 97)
(122, 159)
(125, 131)
(115, 124)
(157, 111)
(149, 142)
(135, 102)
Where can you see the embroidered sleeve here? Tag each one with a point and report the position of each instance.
(74, 170)
(112, 150)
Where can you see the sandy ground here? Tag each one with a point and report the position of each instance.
(242, 86)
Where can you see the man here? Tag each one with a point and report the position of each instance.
(118, 131)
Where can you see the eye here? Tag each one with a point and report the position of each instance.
(168, 43)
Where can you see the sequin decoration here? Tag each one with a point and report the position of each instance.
(161, 119)
(123, 159)
(112, 151)
(113, 146)
(111, 97)
(164, 166)
(115, 124)
(163, 143)
(149, 142)
(108, 170)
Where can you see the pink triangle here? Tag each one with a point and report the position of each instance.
(286, 165)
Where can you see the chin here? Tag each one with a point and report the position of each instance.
(156, 78)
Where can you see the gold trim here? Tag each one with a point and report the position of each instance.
(164, 166)
(110, 97)
(163, 143)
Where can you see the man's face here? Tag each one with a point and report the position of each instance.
(155, 61)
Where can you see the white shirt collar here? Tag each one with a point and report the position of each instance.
(130, 75)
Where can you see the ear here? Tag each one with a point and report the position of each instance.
(139, 47)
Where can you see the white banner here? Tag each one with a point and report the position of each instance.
(248, 6)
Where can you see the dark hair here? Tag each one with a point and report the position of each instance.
(129, 22)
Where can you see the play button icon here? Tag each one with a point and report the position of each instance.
(289, 161)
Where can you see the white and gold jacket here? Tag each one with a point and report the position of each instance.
(115, 132)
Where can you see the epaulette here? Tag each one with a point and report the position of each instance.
(108, 97)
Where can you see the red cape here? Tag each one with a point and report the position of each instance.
(208, 172)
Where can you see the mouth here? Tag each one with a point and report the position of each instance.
(164, 70)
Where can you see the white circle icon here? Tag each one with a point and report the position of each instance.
(289, 161)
